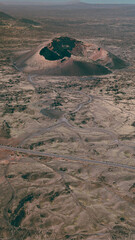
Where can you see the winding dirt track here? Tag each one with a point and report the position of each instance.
(64, 121)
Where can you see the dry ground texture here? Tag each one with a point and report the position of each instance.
(82, 118)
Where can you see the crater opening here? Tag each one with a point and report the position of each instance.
(60, 48)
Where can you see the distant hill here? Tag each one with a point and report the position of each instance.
(5, 16)
(29, 21)
(83, 6)
(79, 5)
(69, 6)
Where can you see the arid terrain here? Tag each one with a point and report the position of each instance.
(67, 134)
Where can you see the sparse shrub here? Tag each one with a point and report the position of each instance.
(133, 124)
(5, 130)
(84, 122)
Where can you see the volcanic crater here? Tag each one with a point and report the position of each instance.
(65, 56)
(62, 47)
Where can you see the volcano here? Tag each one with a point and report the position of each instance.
(65, 56)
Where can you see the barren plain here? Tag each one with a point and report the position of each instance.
(67, 143)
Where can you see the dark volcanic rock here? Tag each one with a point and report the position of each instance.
(52, 113)
(116, 63)
(78, 68)
(62, 47)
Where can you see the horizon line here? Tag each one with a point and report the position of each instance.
(59, 3)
